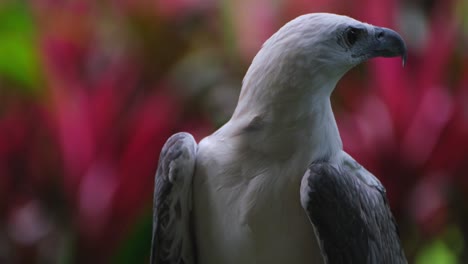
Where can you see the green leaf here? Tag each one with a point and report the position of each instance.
(136, 247)
(229, 35)
(461, 11)
(19, 58)
(436, 252)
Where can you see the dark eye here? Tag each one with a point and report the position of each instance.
(352, 35)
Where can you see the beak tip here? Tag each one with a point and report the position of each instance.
(404, 55)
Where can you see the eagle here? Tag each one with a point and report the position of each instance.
(274, 185)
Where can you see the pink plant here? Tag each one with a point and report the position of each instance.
(80, 158)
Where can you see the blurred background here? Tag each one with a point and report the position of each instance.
(90, 91)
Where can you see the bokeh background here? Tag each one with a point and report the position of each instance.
(90, 91)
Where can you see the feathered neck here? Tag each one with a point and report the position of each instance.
(296, 98)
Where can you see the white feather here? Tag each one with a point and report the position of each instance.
(248, 174)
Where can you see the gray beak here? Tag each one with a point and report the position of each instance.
(388, 43)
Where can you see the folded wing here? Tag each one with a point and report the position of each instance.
(349, 210)
(172, 240)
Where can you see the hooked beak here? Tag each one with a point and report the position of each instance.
(388, 43)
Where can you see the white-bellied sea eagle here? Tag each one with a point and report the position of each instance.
(262, 187)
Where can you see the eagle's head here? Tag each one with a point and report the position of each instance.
(305, 59)
(330, 40)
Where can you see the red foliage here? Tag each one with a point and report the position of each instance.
(81, 158)
(92, 142)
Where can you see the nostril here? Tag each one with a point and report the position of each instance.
(380, 35)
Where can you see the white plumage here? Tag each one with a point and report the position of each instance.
(246, 186)
(247, 182)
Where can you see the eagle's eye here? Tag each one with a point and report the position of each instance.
(352, 34)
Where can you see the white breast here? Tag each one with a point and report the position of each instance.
(247, 206)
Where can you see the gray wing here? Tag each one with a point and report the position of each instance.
(172, 240)
(351, 217)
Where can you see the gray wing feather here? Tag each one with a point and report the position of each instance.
(351, 218)
(172, 239)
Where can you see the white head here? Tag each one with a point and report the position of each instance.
(309, 55)
(335, 41)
